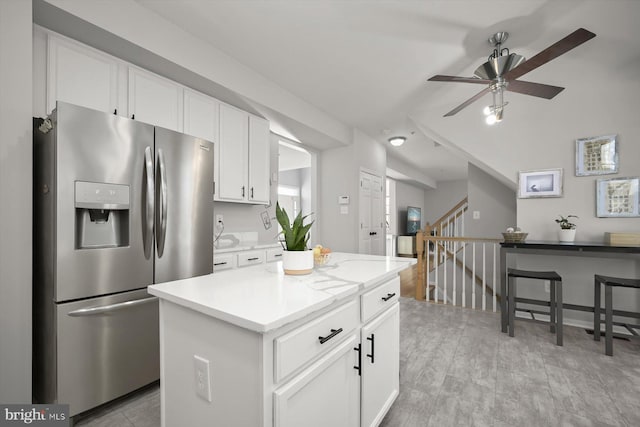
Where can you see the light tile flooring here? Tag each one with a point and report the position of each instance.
(458, 369)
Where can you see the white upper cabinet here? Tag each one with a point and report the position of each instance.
(80, 75)
(231, 150)
(200, 115)
(243, 157)
(155, 100)
(259, 160)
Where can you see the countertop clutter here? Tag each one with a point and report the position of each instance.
(261, 298)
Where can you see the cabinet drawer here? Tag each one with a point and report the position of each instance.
(250, 258)
(299, 346)
(380, 298)
(222, 262)
(274, 254)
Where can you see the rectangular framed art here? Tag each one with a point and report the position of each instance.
(617, 197)
(540, 183)
(597, 155)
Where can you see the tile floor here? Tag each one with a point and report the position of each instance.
(458, 369)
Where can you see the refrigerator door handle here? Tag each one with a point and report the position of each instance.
(149, 203)
(161, 228)
(111, 307)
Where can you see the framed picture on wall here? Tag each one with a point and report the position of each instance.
(540, 183)
(597, 155)
(617, 197)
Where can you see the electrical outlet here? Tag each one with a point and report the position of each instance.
(201, 372)
(547, 286)
(219, 219)
(476, 214)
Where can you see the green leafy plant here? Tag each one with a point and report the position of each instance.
(296, 235)
(564, 222)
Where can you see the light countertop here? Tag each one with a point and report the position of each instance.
(262, 298)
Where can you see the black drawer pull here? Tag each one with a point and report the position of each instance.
(253, 259)
(333, 333)
(220, 263)
(388, 297)
(372, 338)
(277, 255)
(359, 367)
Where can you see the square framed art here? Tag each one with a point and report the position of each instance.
(617, 197)
(597, 155)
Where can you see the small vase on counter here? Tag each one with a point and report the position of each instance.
(297, 262)
(567, 235)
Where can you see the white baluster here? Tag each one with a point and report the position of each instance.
(464, 275)
(484, 283)
(455, 268)
(494, 277)
(437, 267)
(446, 256)
(428, 244)
(473, 278)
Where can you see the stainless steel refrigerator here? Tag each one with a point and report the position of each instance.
(118, 205)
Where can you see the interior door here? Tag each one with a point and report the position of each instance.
(184, 206)
(371, 214)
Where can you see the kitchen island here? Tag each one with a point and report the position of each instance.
(255, 347)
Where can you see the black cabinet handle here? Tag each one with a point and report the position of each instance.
(388, 297)
(253, 259)
(220, 263)
(252, 192)
(359, 367)
(277, 255)
(115, 111)
(333, 333)
(372, 338)
(243, 191)
(133, 117)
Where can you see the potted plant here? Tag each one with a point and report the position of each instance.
(567, 231)
(296, 258)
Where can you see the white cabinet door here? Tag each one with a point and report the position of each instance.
(380, 366)
(80, 75)
(232, 155)
(155, 100)
(326, 394)
(200, 115)
(259, 160)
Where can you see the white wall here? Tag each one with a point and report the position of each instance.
(495, 202)
(439, 201)
(15, 192)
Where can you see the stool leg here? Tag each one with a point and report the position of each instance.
(597, 311)
(608, 320)
(559, 316)
(512, 305)
(552, 306)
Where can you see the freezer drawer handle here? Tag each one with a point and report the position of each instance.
(111, 307)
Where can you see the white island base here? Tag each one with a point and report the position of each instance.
(256, 348)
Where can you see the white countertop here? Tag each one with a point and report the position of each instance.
(262, 298)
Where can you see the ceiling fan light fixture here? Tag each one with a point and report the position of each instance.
(397, 141)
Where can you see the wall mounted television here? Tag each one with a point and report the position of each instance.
(414, 218)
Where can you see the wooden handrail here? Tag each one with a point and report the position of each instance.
(423, 238)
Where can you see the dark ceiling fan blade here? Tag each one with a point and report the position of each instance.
(563, 46)
(534, 89)
(441, 78)
(469, 101)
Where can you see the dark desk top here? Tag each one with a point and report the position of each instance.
(571, 246)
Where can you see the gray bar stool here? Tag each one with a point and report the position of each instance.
(555, 303)
(609, 283)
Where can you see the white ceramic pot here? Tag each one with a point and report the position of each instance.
(297, 262)
(567, 235)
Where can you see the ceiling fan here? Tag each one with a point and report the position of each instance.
(502, 70)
